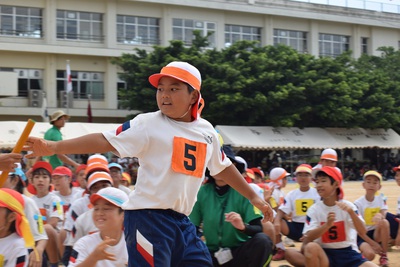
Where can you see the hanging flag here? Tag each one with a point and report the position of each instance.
(89, 112)
(69, 79)
(45, 113)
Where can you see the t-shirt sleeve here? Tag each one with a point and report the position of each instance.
(286, 206)
(129, 138)
(79, 253)
(219, 161)
(311, 220)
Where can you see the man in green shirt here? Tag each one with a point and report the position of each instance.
(57, 119)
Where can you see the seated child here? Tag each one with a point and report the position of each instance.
(327, 232)
(373, 209)
(15, 233)
(106, 247)
(296, 204)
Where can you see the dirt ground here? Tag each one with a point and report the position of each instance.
(352, 191)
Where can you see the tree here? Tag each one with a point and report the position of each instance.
(246, 84)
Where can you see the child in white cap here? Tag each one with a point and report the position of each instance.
(106, 248)
(174, 146)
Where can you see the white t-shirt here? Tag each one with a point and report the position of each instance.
(298, 202)
(124, 188)
(13, 252)
(85, 246)
(78, 207)
(339, 235)
(173, 157)
(49, 206)
(84, 225)
(259, 191)
(32, 214)
(368, 209)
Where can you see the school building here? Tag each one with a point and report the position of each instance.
(38, 39)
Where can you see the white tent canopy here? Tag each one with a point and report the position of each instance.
(10, 131)
(270, 138)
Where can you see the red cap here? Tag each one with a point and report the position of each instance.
(395, 169)
(62, 170)
(42, 165)
(335, 174)
(258, 171)
(80, 167)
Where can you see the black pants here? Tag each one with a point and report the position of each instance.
(255, 252)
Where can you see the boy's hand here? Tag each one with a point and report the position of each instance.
(235, 219)
(377, 218)
(39, 147)
(264, 207)
(376, 247)
(8, 161)
(331, 219)
(343, 206)
(268, 194)
(100, 252)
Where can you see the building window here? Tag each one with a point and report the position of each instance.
(234, 33)
(333, 45)
(29, 79)
(21, 21)
(74, 25)
(83, 84)
(295, 39)
(364, 45)
(138, 30)
(122, 86)
(182, 29)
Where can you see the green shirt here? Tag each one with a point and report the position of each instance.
(210, 209)
(53, 134)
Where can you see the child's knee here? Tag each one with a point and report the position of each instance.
(311, 250)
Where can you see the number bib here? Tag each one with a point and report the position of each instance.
(1, 260)
(336, 233)
(369, 213)
(188, 157)
(302, 206)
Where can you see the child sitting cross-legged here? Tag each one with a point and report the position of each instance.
(328, 229)
(106, 247)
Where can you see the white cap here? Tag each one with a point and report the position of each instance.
(113, 195)
(241, 161)
(329, 154)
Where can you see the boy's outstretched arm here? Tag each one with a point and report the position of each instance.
(232, 176)
(86, 144)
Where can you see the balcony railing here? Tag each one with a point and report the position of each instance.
(359, 4)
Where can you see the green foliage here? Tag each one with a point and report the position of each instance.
(245, 84)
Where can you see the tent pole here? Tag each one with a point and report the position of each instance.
(342, 152)
(291, 160)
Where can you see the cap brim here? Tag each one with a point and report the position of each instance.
(95, 197)
(155, 78)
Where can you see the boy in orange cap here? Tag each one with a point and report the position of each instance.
(15, 233)
(172, 144)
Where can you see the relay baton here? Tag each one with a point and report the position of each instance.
(18, 147)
